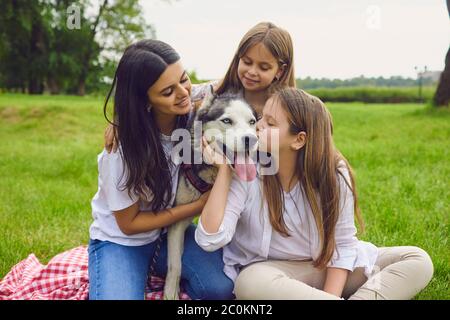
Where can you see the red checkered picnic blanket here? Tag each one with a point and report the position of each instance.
(65, 277)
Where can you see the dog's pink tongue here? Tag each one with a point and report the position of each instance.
(245, 167)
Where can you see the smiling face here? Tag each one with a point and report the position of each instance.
(258, 68)
(231, 124)
(170, 94)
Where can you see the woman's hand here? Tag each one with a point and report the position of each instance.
(213, 156)
(201, 202)
(110, 139)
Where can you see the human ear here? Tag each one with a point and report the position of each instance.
(280, 71)
(299, 141)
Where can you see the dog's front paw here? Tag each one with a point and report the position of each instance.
(171, 291)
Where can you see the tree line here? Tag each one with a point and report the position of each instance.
(62, 46)
(72, 47)
(361, 81)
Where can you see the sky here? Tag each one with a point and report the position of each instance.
(332, 39)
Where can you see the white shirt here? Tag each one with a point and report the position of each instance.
(297, 246)
(247, 235)
(110, 197)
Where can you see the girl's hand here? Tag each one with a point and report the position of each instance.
(110, 139)
(213, 156)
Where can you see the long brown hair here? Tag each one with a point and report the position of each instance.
(277, 41)
(319, 165)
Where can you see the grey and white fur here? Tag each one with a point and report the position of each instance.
(231, 122)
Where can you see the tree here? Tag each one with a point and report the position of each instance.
(38, 49)
(116, 25)
(66, 48)
(24, 37)
(442, 95)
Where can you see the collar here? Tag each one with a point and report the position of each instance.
(194, 179)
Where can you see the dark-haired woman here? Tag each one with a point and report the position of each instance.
(137, 184)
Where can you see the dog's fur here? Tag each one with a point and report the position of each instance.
(211, 114)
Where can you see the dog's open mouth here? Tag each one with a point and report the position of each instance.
(241, 162)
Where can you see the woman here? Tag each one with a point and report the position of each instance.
(137, 184)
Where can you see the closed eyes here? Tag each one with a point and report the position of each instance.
(167, 94)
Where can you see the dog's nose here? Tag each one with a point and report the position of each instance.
(249, 141)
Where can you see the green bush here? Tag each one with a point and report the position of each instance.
(374, 94)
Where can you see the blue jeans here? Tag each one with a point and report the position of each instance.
(118, 272)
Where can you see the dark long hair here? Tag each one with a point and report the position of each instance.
(146, 166)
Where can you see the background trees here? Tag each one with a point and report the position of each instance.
(442, 95)
(41, 49)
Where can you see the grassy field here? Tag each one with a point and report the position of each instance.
(48, 170)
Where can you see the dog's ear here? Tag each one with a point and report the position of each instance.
(201, 113)
(207, 102)
(209, 97)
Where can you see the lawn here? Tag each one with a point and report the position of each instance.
(48, 170)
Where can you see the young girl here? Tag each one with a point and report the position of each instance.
(292, 235)
(263, 62)
(137, 184)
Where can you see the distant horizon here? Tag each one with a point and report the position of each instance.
(362, 76)
(332, 40)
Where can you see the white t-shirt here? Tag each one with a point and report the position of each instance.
(110, 197)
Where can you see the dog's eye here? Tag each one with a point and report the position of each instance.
(226, 121)
(252, 122)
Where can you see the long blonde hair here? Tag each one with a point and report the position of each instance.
(277, 41)
(317, 170)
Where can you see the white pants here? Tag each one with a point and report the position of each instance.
(400, 273)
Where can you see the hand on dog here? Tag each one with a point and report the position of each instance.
(110, 140)
(203, 198)
(212, 154)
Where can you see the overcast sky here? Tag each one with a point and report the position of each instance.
(332, 39)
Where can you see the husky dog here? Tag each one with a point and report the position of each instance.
(231, 124)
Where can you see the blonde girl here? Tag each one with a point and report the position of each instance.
(292, 235)
(264, 61)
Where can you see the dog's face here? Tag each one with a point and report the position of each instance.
(231, 123)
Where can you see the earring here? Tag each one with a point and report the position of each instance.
(149, 108)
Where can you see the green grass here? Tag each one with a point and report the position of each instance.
(48, 169)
